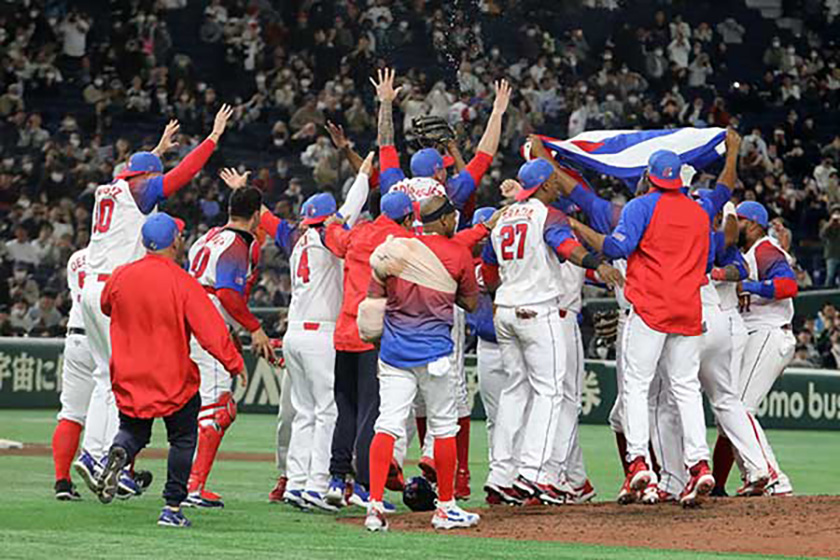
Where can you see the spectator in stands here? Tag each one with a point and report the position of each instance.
(20, 249)
(830, 235)
(44, 314)
(825, 317)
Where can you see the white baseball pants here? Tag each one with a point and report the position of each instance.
(534, 355)
(310, 365)
(285, 417)
(491, 380)
(77, 379)
(616, 418)
(645, 350)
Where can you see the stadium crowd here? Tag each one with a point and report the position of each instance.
(81, 90)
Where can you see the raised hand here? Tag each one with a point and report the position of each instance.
(220, 122)
(733, 141)
(503, 91)
(385, 90)
(509, 188)
(367, 165)
(233, 178)
(337, 136)
(166, 142)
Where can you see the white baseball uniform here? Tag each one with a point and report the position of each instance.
(530, 334)
(317, 290)
(115, 240)
(770, 343)
(616, 418)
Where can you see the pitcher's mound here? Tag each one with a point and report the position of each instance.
(797, 526)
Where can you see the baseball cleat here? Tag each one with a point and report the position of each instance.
(127, 487)
(87, 467)
(375, 519)
(335, 492)
(396, 481)
(699, 485)
(462, 484)
(276, 494)
(650, 495)
(203, 499)
(108, 481)
(295, 498)
(65, 491)
(754, 487)
(143, 479)
(779, 485)
(170, 517)
(638, 477)
(427, 467)
(583, 493)
(449, 516)
(504, 495)
(543, 493)
(317, 500)
(718, 492)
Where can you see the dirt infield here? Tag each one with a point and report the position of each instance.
(795, 526)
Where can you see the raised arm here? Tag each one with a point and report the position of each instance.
(489, 143)
(342, 144)
(358, 193)
(386, 94)
(714, 201)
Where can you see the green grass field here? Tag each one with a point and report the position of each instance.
(34, 525)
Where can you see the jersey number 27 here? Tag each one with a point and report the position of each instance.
(513, 234)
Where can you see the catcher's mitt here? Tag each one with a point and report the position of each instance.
(419, 495)
(431, 131)
(606, 324)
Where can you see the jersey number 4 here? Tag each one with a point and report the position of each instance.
(104, 213)
(303, 267)
(513, 235)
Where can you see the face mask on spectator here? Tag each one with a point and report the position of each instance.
(57, 177)
(75, 142)
(279, 141)
(20, 275)
(18, 311)
(27, 167)
(658, 52)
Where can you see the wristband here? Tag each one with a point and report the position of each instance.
(719, 274)
(591, 261)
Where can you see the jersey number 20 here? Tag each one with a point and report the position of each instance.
(104, 213)
(513, 234)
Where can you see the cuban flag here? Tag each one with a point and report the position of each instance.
(624, 153)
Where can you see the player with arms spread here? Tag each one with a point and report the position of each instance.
(120, 209)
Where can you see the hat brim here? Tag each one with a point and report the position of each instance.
(315, 220)
(667, 184)
(129, 174)
(180, 224)
(750, 218)
(525, 194)
(448, 161)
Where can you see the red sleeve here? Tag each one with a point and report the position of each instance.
(785, 288)
(237, 307)
(471, 237)
(490, 274)
(105, 298)
(188, 168)
(373, 181)
(208, 327)
(269, 222)
(376, 289)
(566, 247)
(479, 165)
(388, 158)
(468, 284)
(337, 239)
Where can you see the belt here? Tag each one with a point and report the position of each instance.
(522, 313)
(311, 326)
(76, 330)
(103, 277)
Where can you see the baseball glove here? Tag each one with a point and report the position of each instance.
(606, 324)
(431, 131)
(419, 495)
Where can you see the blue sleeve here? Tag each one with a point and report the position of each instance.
(557, 230)
(232, 268)
(488, 255)
(763, 289)
(632, 224)
(283, 237)
(725, 256)
(149, 194)
(601, 213)
(713, 202)
(390, 177)
(459, 188)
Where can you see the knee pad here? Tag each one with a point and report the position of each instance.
(224, 411)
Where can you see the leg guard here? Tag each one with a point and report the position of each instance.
(213, 421)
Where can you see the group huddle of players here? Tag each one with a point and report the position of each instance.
(374, 350)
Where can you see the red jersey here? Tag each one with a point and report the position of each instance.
(155, 307)
(355, 246)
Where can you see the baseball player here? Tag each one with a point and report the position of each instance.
(308, 344)
(224, 261)
(430, 179)
(767, 312)
(285, 417)
(419, 280)
(526, 242)
(120, 209)
(664, 274)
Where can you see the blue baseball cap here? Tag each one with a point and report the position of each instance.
(481, 215)
(532, 175)
(142, 162)
(396, 205)
(664, 170)
(160, 230)
(426, 163)
(317, 208)
(753, 211)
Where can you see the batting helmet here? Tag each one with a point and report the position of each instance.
(419, 495)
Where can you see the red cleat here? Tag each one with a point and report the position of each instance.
(396, 481)
(699, 485)
(462, 484)
(276, 495)
(427, 465)
(638, 478)
(584, 493)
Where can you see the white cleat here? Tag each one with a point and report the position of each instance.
(375, 520)
(449, 516)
